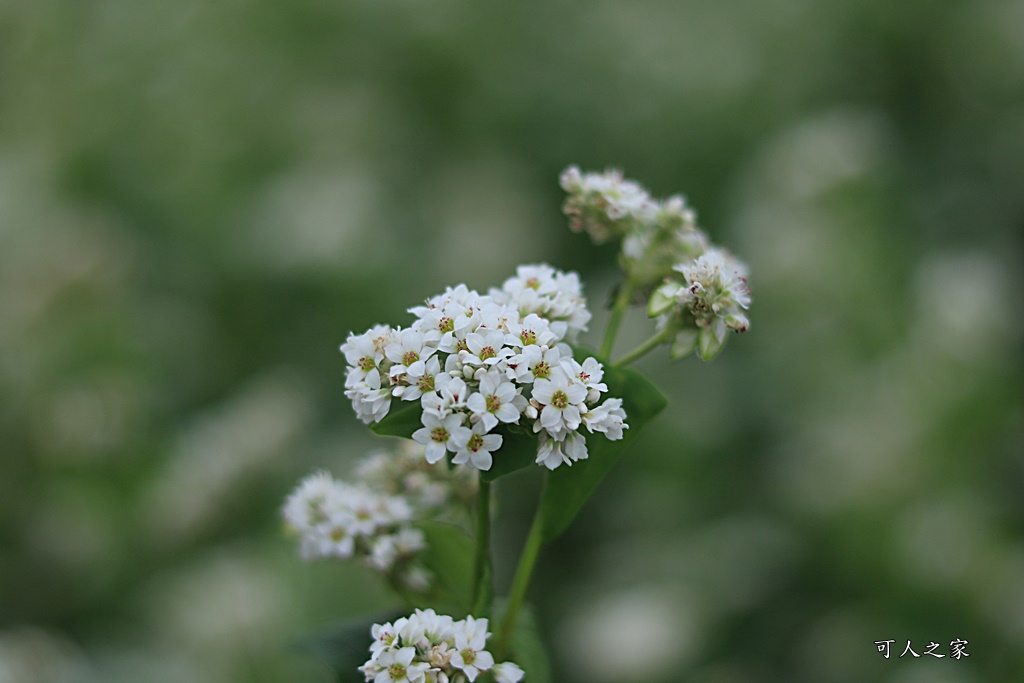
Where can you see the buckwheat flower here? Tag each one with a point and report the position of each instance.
(496, 401)
(440, 435)
(608, 418)
(535, 362)
(304, 508)
(551, 294)
(553, 453)
(560, 397)
(476, 448)
(408, 352)
(507, 672)
(450, 395)
(420, 379)
(363, 352)
(486, 348)
(398, 667)
(470, 641)
(714, 283)
(426, 627)
(531, 330)
(590, 374)
(605, 204)
(371, 399)
(384, 636)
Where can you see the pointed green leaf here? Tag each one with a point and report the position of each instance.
(569, 487)
(518, 451)
(402, 420)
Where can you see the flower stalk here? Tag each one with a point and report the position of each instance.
(520, 583)
(482, 587)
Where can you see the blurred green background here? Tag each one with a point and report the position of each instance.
(199, 200)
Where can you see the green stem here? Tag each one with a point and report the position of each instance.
(481, 594)
(644, 348)
(618, 310)
(520, 583)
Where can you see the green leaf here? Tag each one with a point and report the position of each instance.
(449, 557)
(518, 451)
(402, 420)
(526, 647)
(345, 646)
(569, 487)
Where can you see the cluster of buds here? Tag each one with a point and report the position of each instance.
(697, 290)
(476, 362)
(373, 520)
(427, 647)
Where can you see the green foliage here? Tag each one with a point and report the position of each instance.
(344, 647)
(449, 557)
(402, 420)
(569, 487)
(527, 645)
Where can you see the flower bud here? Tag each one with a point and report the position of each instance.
(663, 298)
(711, 340)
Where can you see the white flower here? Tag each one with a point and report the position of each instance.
(714, 283)
(398, 666)
(451, 394)
(531, 330)
(421, 379)
(605, 204)
(535, 362)
(304, 508)
(507, 672)
(408, 353)
(469, 655)
(384, 636)
(370, 399)
(560, 397)
(496, 401)
(552, 453)
(607, 418)
(476, 448)
(363, 352)
(438, 648)
(487, 348)
(439, 435)
(589, 374)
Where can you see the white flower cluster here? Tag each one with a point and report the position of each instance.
(704, 289)
(475, 362)
(655, 234)
(708, 302)
(427, 647)
(337, 519)
(403, 471)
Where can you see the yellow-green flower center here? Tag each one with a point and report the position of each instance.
(439, 435)
(559, 400)
(409, 358)
(542, 370)
(487, 352)
(475, 443)
(396, 671)
(493, 403)
(366, 364)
